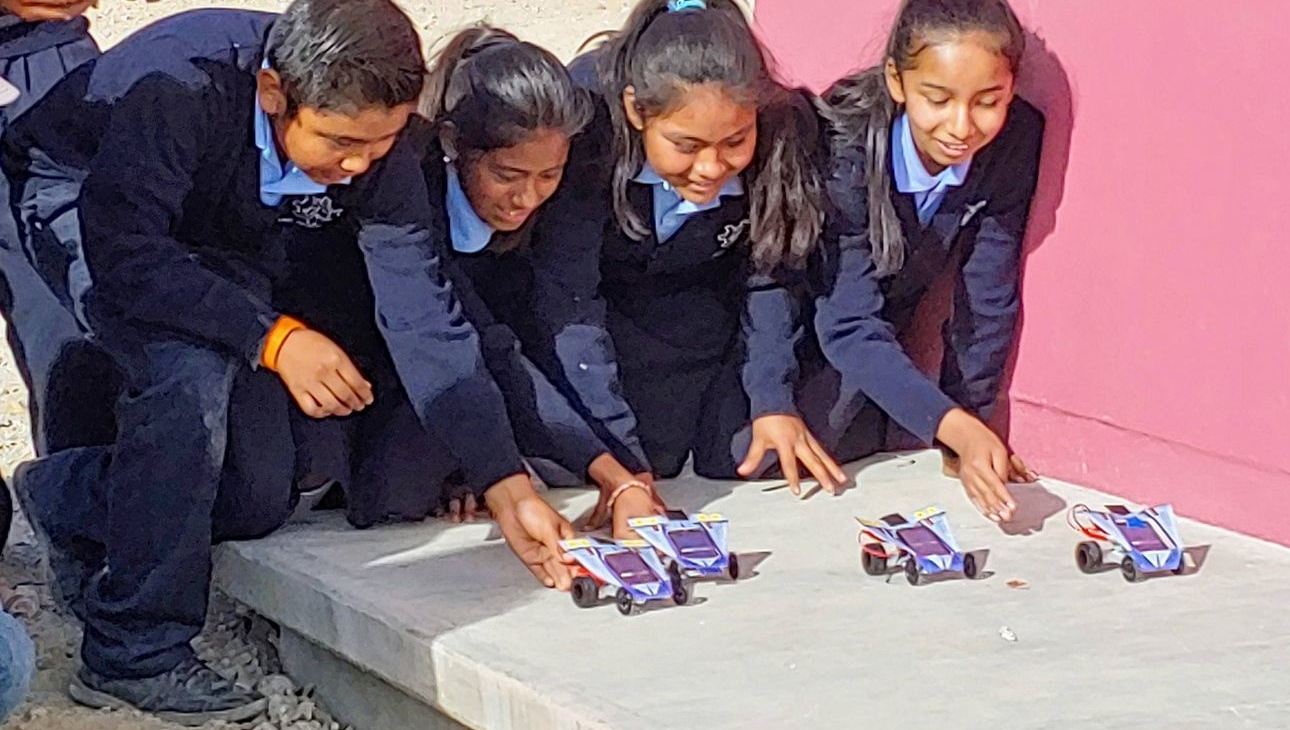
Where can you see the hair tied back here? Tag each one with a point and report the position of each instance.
(680, 6)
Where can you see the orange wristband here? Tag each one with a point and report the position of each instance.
(274, 340)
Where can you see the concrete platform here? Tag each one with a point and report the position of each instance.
(446, 616)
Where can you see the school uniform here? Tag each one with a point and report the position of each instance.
(70, 382)
(183, 263)
(390, 467)
(970, 220)
(649, 338)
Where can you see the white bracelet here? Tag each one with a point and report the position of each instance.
(618, 491)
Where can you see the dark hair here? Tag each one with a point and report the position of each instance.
(660, 53)
(861, 111)
(346, 55)
(495, 90)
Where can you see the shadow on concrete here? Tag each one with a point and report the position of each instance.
(1035, 506)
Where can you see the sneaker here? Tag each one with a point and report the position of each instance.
(191, 694)
(6, 514)
(67, 571)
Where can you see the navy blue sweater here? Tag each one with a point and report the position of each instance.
(978, 231)
(690, 302)
(179, 244)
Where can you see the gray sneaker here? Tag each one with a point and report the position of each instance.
(191, 694)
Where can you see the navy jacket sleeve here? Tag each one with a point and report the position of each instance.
(131, 203)
(546, 426)
(567, 302)
(853, 335)
(772, 329)
(978, 336)
(435, 349)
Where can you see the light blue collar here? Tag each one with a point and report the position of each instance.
(469, 232)
(911, 176)
(649, 176)
(277, 181)
(671, 210)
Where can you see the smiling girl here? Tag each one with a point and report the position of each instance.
(934, 165)
(667, 262)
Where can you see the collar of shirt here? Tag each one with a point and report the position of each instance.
(913, 179)
(671, 210)
(469, 232)
(277, 181)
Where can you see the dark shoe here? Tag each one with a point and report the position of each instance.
(191, 694)
(6, 514)
(67, 569)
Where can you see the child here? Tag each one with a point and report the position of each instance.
(934, 166)
(691, 206)
(502, 115)
(17, 653)
(208, 141)
(70, 382)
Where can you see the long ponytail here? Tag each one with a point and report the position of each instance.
(861, 111)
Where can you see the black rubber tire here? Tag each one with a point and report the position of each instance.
(1129, 570)
(623, 600)
(969, 567)
(1088, 556)
(911, 572)
(674, 573)
(585, 592)
(732, 568)
(1182, 566)
(680, 596)
(872, 564)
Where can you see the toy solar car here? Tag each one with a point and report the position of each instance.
(924, 545)
(1144, 543)
(630, 565)
(694, 545)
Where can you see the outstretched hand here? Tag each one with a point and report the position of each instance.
(794, 444)
(532, 529)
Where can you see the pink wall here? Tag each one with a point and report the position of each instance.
(1154, 359)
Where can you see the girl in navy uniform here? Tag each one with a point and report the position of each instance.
(502, 113)
(691, 204)
(934, 164)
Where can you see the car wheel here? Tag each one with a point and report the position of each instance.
(680, 596)
(1088, 556)
(873, 564)
(623, 600)
(585, 592)
(912, 573)
(1130, 571)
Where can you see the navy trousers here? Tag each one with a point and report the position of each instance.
(204, 454)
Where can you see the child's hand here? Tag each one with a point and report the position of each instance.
(532, 529)
(611, 476)
(321, 377)
(632, 503)
(36, 10)
(982, 462)
(792, 442)
(463, 506)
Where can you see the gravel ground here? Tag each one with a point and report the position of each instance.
(237, 643)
